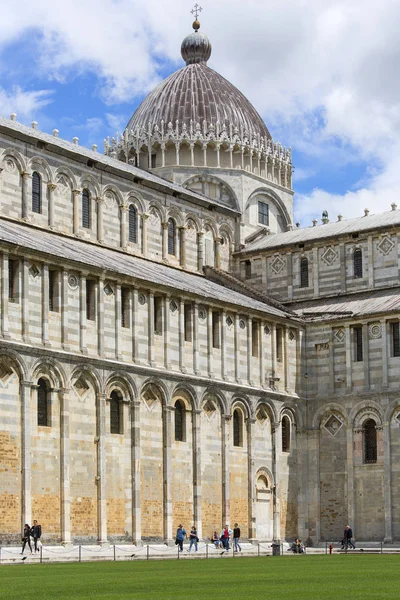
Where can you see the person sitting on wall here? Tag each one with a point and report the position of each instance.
(215, 539)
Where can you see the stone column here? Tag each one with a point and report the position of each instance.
(285, 358)
(218, 253)
(100, 316)
(118, 318)
(135, 318)
(231, 155)
(197, 488)
(223, 345)
(204, 155)
(51, 187)
(164, 226)
(177, 149)
(365, 341)
(65, 468)
(226, 496)
(200, 251)
(315, 270)
(25, 300)
(124, 235)
(167, 472)
(342, 258)
(100, 223)
(273, 351)
(350, 474)
(349, 377)
(251, 473)
(210, 343)
(25, 195)
(370, 262)
(76, 194)
(276, 455)
(64, 309)
(26, 460)
(82, 312)
(182, 253)
(237, 350)
(192, 159)
(182, 336)
(4, 294)
(218, 156)
(45, 305)
(135, 473)
(387, 487)
(166, 323)
(249, 350)
(101, 469)
(144, 234)
(196, 338)
(384, 363)
(289, 262)
(151, 329)
(163, 155)
(262, 354)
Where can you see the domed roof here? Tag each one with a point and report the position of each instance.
(195, 94)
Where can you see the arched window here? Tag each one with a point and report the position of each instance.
(357, 263)
(36, 193)
(285, 434)
(304, 272)
(171, 237)
(370, 443)
(179, 421)
(86, 216)
(115, 412)
(237, 428)
(43, 397)
(132, 224)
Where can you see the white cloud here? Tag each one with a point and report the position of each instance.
(26, 104)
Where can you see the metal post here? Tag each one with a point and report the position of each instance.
(0, 554)
(114, 553)
(206, 551)
(41, 555)
(381, 548)
(148, 552)
(326, 547)
(178, 552)
(258, 548)
(80, 553)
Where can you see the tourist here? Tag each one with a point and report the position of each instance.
(347, 536)
(193, 539)
(26, 538)
(236, 537)
(180, 536)
(224, 537)
(36, 533)
(215, 540)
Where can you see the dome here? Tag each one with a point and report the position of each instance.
(196, 94)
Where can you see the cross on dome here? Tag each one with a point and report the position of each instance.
(196, 10)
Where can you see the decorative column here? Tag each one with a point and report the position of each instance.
(315, 273)
(75, 199)
(350, 474)
(167, 363)
(182, 253)
(231, 155)
(4, 294)
(197, 488)
(218, 156)
(144, 233)
(118, 319)
(100, 224)
(250, 423)
(26, 461)
(124, 237)
(164, 226)
(167, 472)
(64, 468)
(387, 487)
(82, 311)
(200, 250)
(218, 253)
(349, 378)
(384, 362)
(262, 354)
(196, 338)
(182, 336)
(365, 341)
(177, 150)
(100, 316)
(226, 496)
(64, 309)
(163, 154)
(210, 343)
(45, 305)
(135, 473)
(251, 160)
(237, 350)
(249, 350)
(51, 187)
(370, 262)
(25, 196)
(342, 258)
(135, 319)
(101, 469)
(151, 329)
(286, 359)
(25, 301)
(223, 345)
(192, 159)
(204, 154)
(276, 455)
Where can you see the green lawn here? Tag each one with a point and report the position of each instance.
(335, 577)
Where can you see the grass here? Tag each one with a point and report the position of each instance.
(326, 577)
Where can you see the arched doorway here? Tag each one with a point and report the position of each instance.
(264, 509)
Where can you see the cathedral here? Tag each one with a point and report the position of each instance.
(174, 349)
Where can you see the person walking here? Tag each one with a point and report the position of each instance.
(225, 535)
(26, 538)
(236, 537)
(347, 536)
(193, 539)
(36, 533)
(180, 536)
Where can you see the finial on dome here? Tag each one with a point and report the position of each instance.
(196, 47)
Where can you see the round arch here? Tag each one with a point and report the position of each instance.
(87, 181)
(90, 374)
(109, 188)
(13, 360)
(124, 383)
(68, 174)
(50, 368)
(37, 163)
(270, 195)
(135, 199)
(157, 389)
(14, 154)
(186, 393)
(366, 410)
(332, 407)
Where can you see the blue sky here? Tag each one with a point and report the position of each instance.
(322, 73)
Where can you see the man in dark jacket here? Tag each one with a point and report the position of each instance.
(36, 533)
(347, 537)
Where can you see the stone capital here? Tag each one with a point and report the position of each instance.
(51, 186)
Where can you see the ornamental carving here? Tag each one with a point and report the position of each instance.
(278, 264)
(386, 245)
(73, 281)
(375, 331)
(110, 201)
(10, 165)
(142, 299)
(108, 290)
(333, 425)
(321, 347)
(173, 306)
(63, 186)
(329, 256)
(229, 321)
(339, 335)
(34, 271)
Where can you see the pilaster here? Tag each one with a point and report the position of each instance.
(135, 473)
(101, 477)
(26, 461)
(197, 480)
(4, 294)
(45, 305)
(226, 496)
(26, 177)
(51, 188)
(75, 200)
(65, 468)
(167, 462)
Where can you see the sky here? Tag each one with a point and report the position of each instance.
(323, 74)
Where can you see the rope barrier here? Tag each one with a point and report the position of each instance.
(102, 549)
(62, 551)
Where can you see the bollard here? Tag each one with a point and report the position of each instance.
(381, 548)
(114, 553)
(41, 553)
(80, 553)
(178, 552)
(148, 550)
(330, 548)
